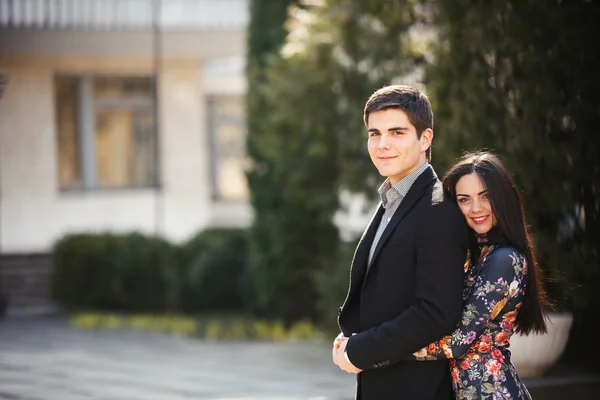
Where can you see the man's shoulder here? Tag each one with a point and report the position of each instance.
(436, 196)
(437, 192)
(439, 205)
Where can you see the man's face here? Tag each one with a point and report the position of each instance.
(393, 144)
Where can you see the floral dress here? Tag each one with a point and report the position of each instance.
(479, 348)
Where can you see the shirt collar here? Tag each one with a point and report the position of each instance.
(401, 187)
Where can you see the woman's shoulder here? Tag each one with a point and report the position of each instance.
(504, 250)
(507, 255)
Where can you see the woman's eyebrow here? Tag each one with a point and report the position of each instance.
(466, 195)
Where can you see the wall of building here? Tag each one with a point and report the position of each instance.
(34, 212)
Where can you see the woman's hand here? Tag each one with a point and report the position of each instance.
(338, 341)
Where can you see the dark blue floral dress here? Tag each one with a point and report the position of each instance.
(479, 348)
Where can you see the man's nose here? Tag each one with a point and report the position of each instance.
(384, 142)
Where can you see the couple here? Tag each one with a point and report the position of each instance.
(418, 321)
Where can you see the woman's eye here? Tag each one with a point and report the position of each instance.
(463, 200)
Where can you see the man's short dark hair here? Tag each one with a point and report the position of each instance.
(408, 99)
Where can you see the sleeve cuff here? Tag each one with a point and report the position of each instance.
(347, 353)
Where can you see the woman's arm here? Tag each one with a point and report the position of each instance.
(500, 279)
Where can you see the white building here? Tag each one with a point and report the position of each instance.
(80, 149)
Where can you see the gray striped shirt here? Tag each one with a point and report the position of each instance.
(391, 197)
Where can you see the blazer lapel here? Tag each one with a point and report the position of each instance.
(414, 194)
(361, 255)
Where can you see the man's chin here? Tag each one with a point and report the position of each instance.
(386, 172)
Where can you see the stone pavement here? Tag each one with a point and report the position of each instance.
(45, 359)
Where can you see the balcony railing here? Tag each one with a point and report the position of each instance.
(124, 14)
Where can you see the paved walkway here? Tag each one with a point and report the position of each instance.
(45, 359)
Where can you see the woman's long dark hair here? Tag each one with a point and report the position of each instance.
(510, 216)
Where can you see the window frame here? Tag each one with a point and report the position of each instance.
(214, 116)
(86, 128)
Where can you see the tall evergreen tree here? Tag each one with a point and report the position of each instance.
(307, 141)
(521, 78)
(266, 34)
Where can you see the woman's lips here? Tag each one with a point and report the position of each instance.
(479, 220)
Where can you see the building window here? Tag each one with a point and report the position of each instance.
(3, 82)
(227, 131)
(106, 135)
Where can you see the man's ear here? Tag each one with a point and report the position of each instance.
(426, 139)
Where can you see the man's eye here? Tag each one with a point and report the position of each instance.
(373, 134)
(398, 133)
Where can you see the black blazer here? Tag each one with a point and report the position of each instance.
(409, 297)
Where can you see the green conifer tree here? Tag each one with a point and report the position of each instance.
(521, 78)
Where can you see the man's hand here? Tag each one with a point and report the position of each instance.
(340, 358)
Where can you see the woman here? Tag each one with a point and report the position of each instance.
(503, 291)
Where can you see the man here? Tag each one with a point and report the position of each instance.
(406, 277)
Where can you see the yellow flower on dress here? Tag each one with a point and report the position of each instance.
(445, 348)
(421, 353)
(498, 307)
(467, 264)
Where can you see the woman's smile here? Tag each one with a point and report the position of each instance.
(480, 220)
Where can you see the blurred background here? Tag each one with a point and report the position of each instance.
(198, 168)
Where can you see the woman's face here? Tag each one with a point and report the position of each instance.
(472, 198)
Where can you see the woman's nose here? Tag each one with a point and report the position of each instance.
(476, 206)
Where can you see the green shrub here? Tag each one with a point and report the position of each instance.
(216, 275)
(138, 273)
(146, 274)
(83, 270)
(108, 271)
